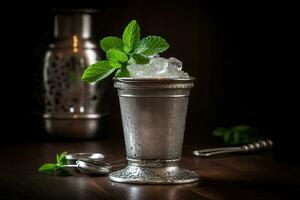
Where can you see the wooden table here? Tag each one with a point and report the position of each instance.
(237, 177)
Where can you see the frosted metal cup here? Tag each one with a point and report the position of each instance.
(153, 115)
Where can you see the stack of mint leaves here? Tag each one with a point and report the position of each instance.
(123, 52)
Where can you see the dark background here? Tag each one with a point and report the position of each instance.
(231, 47)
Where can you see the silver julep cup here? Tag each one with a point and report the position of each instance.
(153, 115)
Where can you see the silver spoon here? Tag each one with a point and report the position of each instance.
(256, 146)
(73, 157)
(93, 166)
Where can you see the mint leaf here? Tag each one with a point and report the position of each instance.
(57, 158)
(131, 36)
(228, 137)
(117, 56)
(58, 168)
(140, 59)
(122, 72)
(48, 167)
(63, 155)
(110, 42)
(97, 71)
(62, 158)
(237, 135)
(123, 52)
(247, 134)
(220, 131)
(115, 64)
(242, 128)
(151, 45)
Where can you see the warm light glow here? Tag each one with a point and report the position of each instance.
(71, 109)
(75, 44)
(81, 109)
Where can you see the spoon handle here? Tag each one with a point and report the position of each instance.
(252, 147)
(70, 166)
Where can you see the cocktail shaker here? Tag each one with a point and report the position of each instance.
(70, 107)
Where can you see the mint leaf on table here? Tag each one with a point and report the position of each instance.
(47, 168)
(228, 137)
(237, 135)
(62, 158)
(245, 134)
(56, 168)
(151, 45)
(57, 158)
(97, 71)
(111, 42)
(220, 131)
(123, 52)
(131, 36)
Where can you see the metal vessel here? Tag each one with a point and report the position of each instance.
(72, 108)
(153, 115)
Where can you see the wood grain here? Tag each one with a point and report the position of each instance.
(255, 176)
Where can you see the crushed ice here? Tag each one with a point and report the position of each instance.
(158, 67)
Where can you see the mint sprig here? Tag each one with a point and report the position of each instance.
(122, 52)
(151, 45)
(111, 42)
(237, 135)
(99, 70)
(56, 168)
(131, 36)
